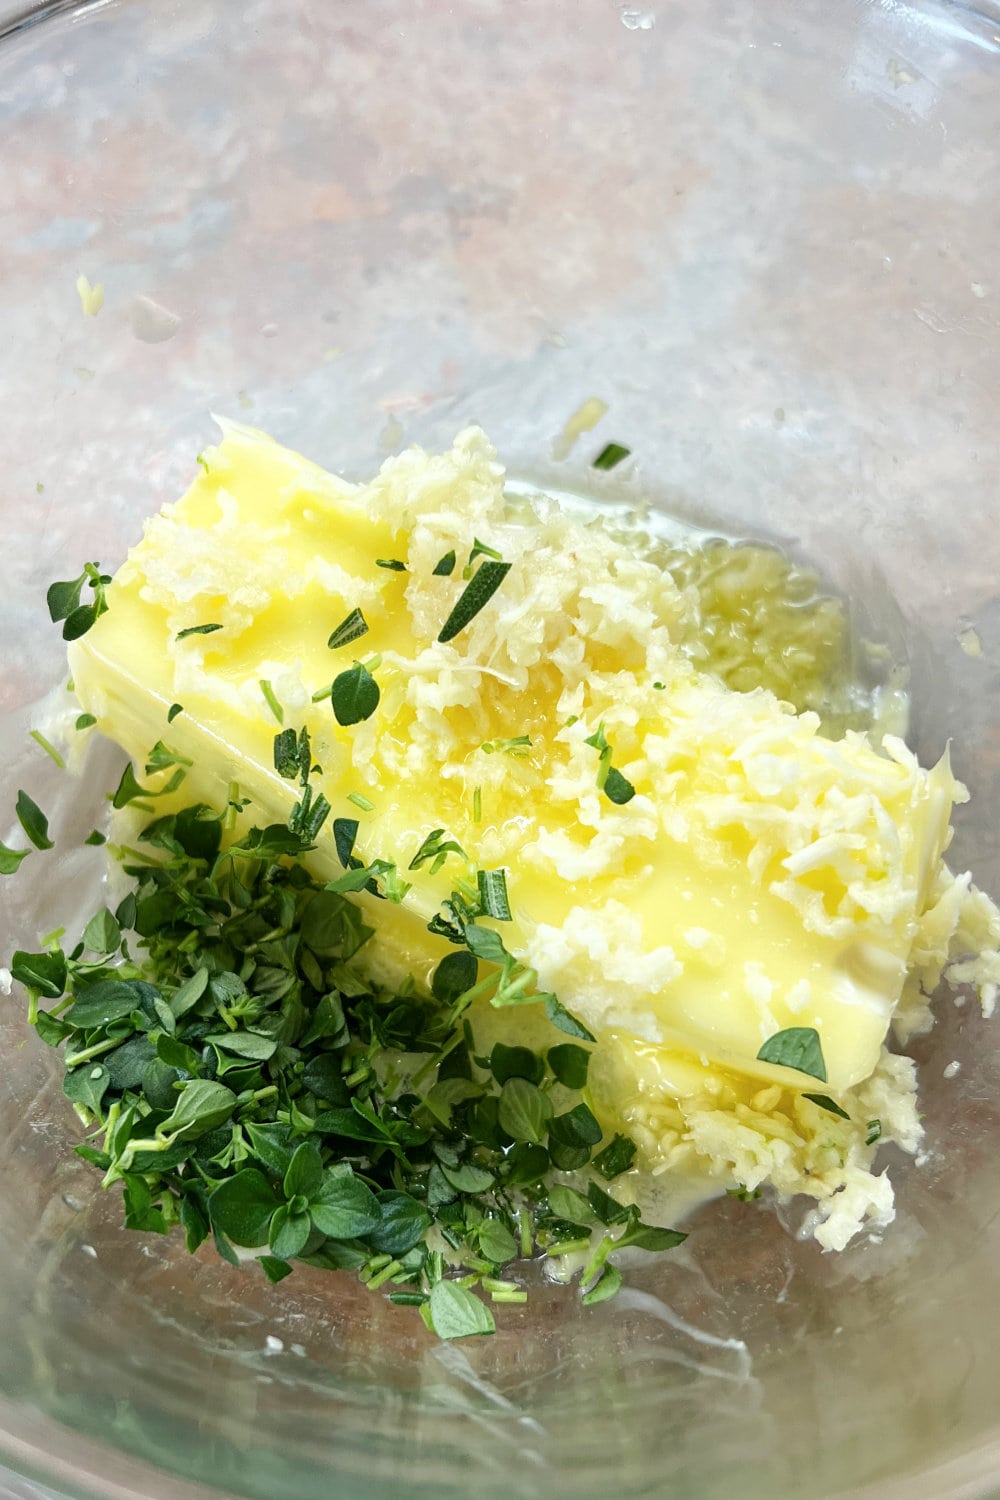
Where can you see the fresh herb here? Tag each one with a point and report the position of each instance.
(161, 758)
(616, 787)
(825, 1102)
(435, 850)
(874, 1132)
(173, 711)
(477, 804)
(63, 600)
(95, 838)
(493, 894)
(244, 1081)
(445, 566)
(361, 801)
(616, 1158)
(477, 593)
(355, 695)
(392, 563)
(520, 744)
(350, 629)
(479, 549)
(270, 698)
(49, 748)
(611, 455)
(797, 1047)
(33, 821)
(10, 859)
(196, 630)
(85, 721)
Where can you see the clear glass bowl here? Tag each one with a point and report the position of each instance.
(766, 237)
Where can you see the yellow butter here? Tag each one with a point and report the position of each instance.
(763, 876)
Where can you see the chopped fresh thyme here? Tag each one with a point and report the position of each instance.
(479, 549)
(445, 566)
(244, 1081)
(493, 894)
(173, 711)
(392, 563)
(86, 721)
(361, 801)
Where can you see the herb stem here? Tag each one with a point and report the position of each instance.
(89, 1052)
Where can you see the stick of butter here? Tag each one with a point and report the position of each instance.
(761, 878)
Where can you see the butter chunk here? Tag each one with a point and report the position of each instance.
(762, 877)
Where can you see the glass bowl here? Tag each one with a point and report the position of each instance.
(765, 237)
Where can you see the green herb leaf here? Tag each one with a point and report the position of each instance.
(616, 1158)
(609, 1282)
(85, 721)
(350, 629)
(286, 754)
(651, 1237)
(87, 1086)
(128, 789)
(496, 1243)
(825, 1102)
(567, 1203)
(96, 838)
(203, 1105)
(561, 1018)
(569, 1063)
(196, 630)
(63, 598)
(611, 455)
(344, 1208)
(392, 563)
(874, 1132)
(173, 711)
(486, 944)
(519, 745)
(436, 847)
(305, 1172)
(242, 1206)
(515, 1062)
(289, 1232)
(797, 1047)
(477, 593)
(403, 1222)
(525, 1111)
(456, 973)
(617, 788)
(102, 933)
(456, 1314)
(10, 859)
(355, 695)
(42, 973)
(274, 1269)
(493, 894)
(33, 821)
(445, 566)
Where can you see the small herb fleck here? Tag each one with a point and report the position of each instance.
(611, 455)
(825, 1102)
(196, 630)
(350, 629)
(49, 748)
(435, 850)
(270, 698)
(519, 745)
(493, 894)
(173, 711)
(445, 566)
(85, 721)
(392, 563)
(874, 1132)
(361, 801)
